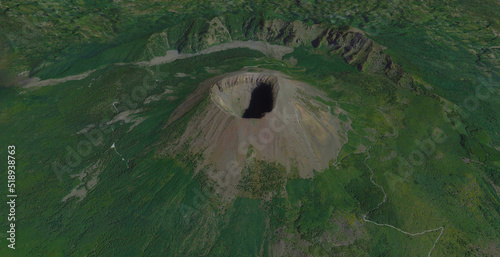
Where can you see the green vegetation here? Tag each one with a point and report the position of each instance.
(436, 157)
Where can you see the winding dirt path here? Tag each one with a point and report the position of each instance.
(275, 51)
(391, 226)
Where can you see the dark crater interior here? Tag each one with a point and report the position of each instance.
(261, 101)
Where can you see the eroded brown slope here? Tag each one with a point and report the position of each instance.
(298, 132)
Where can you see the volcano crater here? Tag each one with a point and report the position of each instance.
(248, 97)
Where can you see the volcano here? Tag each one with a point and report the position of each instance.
(266, 115)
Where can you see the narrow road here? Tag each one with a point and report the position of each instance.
(391, 226)
(123, 159)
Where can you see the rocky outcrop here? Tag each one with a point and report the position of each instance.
(363, 53)
(352, 44)
(289, 33)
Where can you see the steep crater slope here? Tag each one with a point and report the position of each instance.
(246, 97)
(266, 115)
